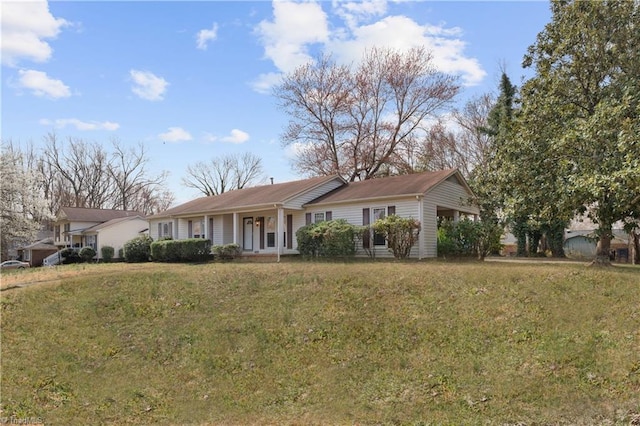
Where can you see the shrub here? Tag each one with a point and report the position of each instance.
(107, 253)
(332, 238)
(401, 234)
(87, 254)
(190, 250)
(138, 249)
(69, 255)
(227, 251)
(468, 238)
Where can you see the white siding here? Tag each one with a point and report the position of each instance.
(119, 233)
(298, 202)
(227, 228)
(352, 213)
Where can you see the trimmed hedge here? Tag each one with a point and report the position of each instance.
(227, 251)
(138, 249)
(189, 250)
(332, 238)
(87, 254)
(107, 253)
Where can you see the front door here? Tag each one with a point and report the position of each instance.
(247, 241)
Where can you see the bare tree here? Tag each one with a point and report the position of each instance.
(225, 173)
(354, 121)
(82, 174)
(130, 176)
(454, 141)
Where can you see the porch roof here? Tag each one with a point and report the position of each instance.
(254, 197)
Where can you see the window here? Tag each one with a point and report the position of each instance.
(90, 241)
(165, 230)
(57, 232)
(67, 229)
(378, 213)
(318, 217)
(196, 228)
(271, 234)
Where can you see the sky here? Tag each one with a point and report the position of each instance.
(193, 80)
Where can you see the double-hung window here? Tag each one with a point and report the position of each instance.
(165, 230)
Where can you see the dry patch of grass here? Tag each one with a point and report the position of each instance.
(324, 343)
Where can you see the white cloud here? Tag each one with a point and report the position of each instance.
(25, 26)
(294, 27)
(81, 125)
(204, 36)
(265, 82)
(147, 85)
(287, 44)
(41, 84)
(235, 136)
(175, 134)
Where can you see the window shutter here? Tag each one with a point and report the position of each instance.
(190, 232)
(366, 238)
(307, 219)
(211, 229)
(327, 216)
(289, 231)
(391, 210)
(261, 220)
(159, 230)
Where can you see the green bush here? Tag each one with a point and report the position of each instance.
(190, 250)
(401, 234)
(227, 251)
(69, 255)
(107, 253)
(332, 238)
(87, 254)
(138, 249)
(467, 238)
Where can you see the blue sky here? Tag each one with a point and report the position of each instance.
(192, 80)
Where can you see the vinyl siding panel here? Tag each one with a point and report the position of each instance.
(352, 213)
(118, 234)
(452, 196)
(299, 201)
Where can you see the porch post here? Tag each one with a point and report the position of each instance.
(235, 228)
(421, 234)
(206, 227)
(279, 230)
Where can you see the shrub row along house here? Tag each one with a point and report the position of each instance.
(263, 220)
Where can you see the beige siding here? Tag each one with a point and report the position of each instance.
(430, 227)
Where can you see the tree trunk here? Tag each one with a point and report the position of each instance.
(603, 248)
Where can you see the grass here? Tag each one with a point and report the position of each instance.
(323, 343)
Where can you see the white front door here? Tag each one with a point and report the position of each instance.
(247, 234)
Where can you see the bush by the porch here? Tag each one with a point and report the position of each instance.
(87, 254)
(332, 238)
(401, 234)
(107, 253)
(189, 250)
(226, 251)
(138, 249)
(467, 238)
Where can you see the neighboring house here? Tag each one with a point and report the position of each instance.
(581, 244)
(79, 227)
(36, 252)
(264, 219)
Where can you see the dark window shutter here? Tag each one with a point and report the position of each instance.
(391, 210)
(261, 220)
(307, 219)
(366, 238)
(190, 229)
(159, 230)
(289, 231)
(327, 216)
(211, 229)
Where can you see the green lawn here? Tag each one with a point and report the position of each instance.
(323, 343)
